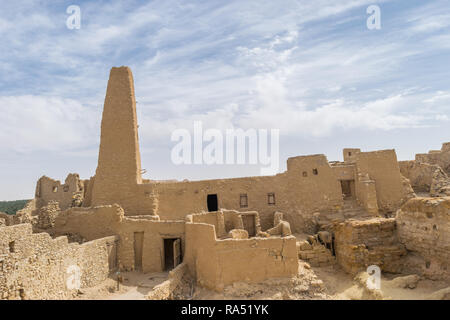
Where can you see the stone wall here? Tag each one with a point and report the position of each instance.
(165, 290)
(424, 228)
(359, 244)
(35, 266)
(420, 174)
(316, 254)
(437, 157)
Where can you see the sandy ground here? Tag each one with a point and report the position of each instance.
(311, 283)
(341, 286)
(135, 286)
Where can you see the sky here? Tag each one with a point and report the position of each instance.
(312, 69)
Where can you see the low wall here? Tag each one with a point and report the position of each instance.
(35, 266)
(165, 290)
(89, 223)
(218, 263)
(424, 228)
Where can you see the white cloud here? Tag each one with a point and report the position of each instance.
(31, 123)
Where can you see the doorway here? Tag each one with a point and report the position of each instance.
(138, 244)
(172, 253)
(212, 202)
(248, 220)
(348, 189)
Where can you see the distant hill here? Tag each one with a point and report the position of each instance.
(11, 207)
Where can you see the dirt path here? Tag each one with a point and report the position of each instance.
(135, 286)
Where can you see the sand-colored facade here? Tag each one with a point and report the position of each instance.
(246, 234)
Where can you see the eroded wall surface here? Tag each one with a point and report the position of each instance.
(437, 157)
(419, 174)
(382, 168)
(35, 266)
(359, 244)
(424, 228)
(48, 190)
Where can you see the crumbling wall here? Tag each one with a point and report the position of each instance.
(217, 263)
(437, 157)
(35, 266)
(440, 186)
(89, 223)
(359, 244)
(165, 290)
(48, 190)
(21, 216)
(419, 174)
(316, 254)
(424, 228)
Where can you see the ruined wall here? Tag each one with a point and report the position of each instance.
(89, 223)
(48, 190)
(359, 244)
(424, 228)
(165, 290)
(102, 221)
(218, 263)
(22, 216)
(419, 174)
(437, 157)
(35, 266)
(315, 254)
(382, 167)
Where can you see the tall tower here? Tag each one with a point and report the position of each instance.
(119, 162)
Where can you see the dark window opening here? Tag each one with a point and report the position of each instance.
(22, 294)
(305, 174)
(315, 172)
(212, 202)
(271, 198)
(66, 188)
(172, 253)
(348, 189)
(12, 246)
(349, 153)
(55, 189)
(243, 200)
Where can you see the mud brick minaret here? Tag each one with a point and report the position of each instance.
(119, 162)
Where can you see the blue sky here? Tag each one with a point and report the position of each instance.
(310, 68)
